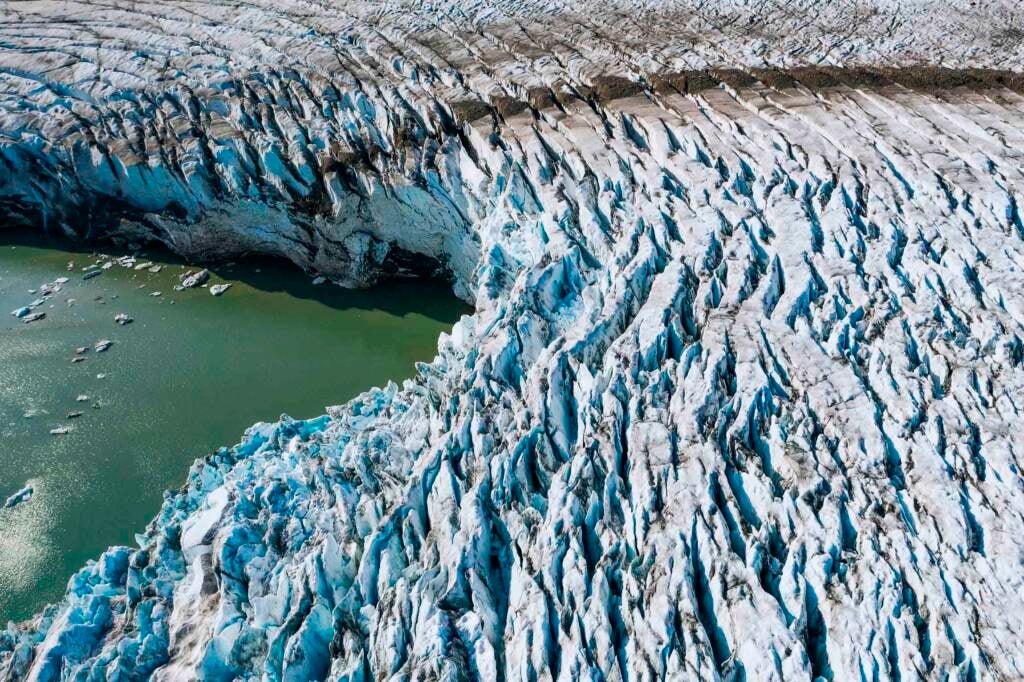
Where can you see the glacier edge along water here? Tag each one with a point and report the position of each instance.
(189, 374)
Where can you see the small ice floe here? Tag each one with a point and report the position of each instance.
(77, 359)
(107, 265)
(319, 280)
(143, 265)
(92, 273)
(33, 317)
(51, 288)
(190, 280)
(156, 293)
(218, 289)
(61, 430)
(71, 265)
(21, 312)
(156, 268)
(71, 302)
(103, 344)
(122, 319)
(36, 303)
(81, 350)
(101, 375)
(74, 415)
(20, 497)
(82, 398)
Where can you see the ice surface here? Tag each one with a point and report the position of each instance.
(741, 397)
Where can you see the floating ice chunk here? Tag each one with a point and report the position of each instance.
(92, 273)
(21, 312)
(123, 319)
(33, 317)
(61, 430)
(103, 344)
(218, 289)
(20, 497)
(319, 280)
(191, 280)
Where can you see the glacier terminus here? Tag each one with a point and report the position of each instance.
(741, 395)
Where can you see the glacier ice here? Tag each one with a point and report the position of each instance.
(739, 399)
(20, 497)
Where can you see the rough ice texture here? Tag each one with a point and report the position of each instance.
(741, 398)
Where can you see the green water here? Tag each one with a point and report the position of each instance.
(190, 374)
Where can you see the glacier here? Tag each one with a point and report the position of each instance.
(739, 398)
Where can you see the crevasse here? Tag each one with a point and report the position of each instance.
(739, 398)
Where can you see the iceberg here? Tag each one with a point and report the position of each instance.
(741, 393)
(20, 497)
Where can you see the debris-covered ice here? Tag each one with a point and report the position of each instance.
(741, 396)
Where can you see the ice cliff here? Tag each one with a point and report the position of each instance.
(741, 396)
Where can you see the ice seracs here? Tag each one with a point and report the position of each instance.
(739, 399)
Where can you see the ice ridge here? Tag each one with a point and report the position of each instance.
(740, 396)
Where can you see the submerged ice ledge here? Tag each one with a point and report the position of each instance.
(739, 398)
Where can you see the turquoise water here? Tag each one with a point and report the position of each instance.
(189, 374)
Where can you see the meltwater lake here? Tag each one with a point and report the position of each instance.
(189, 374)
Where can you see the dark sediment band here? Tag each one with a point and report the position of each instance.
(608, 88)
